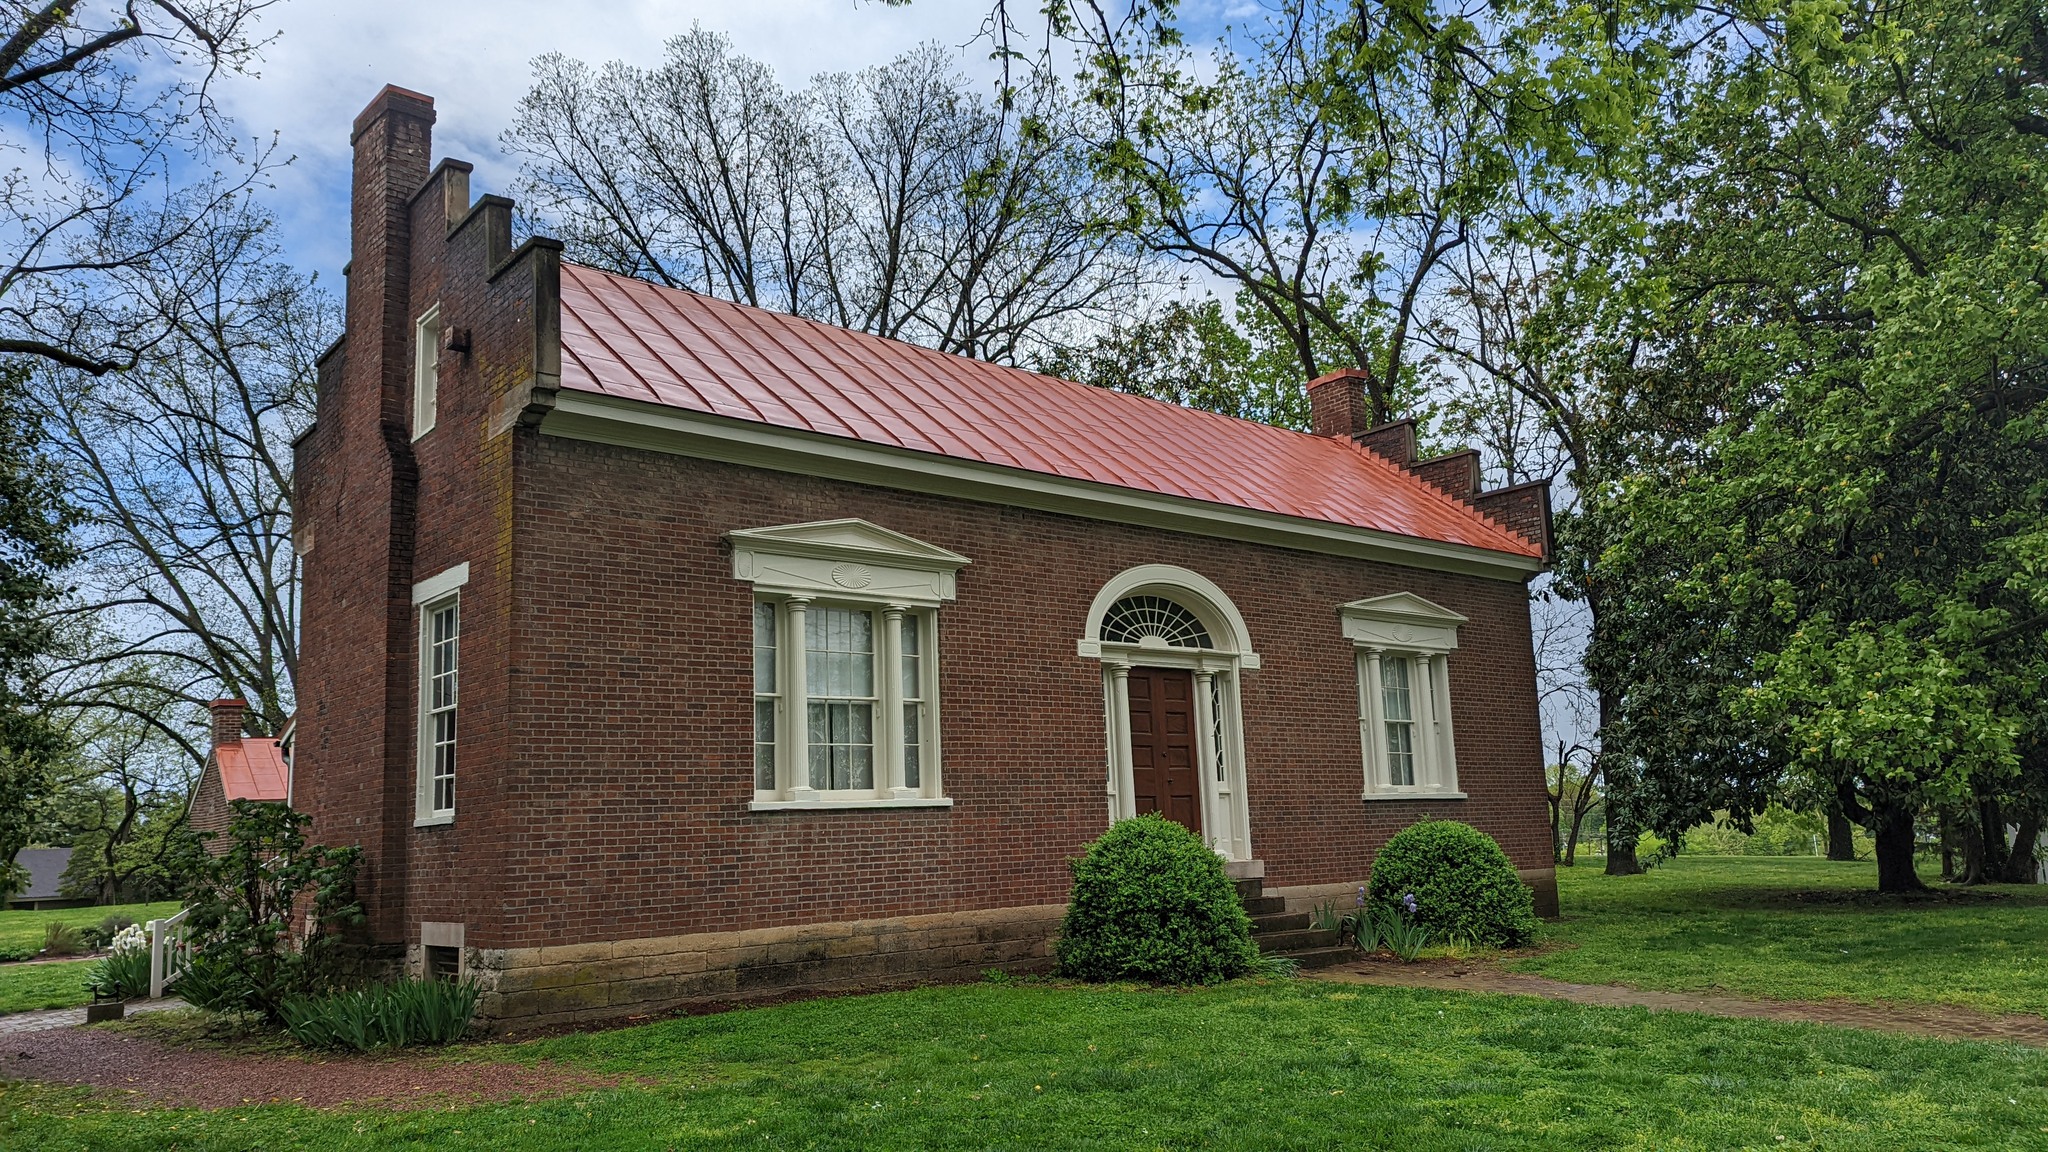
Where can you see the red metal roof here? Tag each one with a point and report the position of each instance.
(252, 769)
(633, 340)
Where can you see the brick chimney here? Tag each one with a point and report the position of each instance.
(227, 720)
(1340, 403)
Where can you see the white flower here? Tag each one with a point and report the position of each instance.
(133, 938)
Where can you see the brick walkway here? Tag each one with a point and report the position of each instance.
(15, 1023)
(1945, 1022)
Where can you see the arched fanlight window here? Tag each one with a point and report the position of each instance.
(1134, 619)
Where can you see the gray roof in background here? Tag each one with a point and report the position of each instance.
(45, 867)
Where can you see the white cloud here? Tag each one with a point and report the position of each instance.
(472, 57)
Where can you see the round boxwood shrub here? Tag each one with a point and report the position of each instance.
(1465, 887)
(1151, 903)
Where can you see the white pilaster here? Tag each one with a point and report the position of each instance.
(798, 713)
(1120, 739)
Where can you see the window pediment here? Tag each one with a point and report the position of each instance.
(849, 557)
(1401, 621)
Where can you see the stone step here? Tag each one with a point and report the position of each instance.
(1279, 922)
(1266, 905)
(1286, 942)
(1321, 957)
(1250, 889)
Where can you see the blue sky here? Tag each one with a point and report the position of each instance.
(472, 56)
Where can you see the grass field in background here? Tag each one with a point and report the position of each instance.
(25, 929)
(1798, 928)
(1287, 1064)
(27, 987)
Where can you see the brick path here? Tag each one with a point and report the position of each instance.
(1945, 1022)
(15, 1023)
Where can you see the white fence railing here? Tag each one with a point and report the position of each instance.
(168, 951)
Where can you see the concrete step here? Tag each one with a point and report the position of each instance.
(1266, 905)
(1279, 922)
(1321, 957)
(1285, 942)
(1250, 889)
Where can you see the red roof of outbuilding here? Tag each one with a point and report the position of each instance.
(252, 769)
(633, 340)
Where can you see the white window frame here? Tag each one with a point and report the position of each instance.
(1421, 635)
(852, 565)
(434, 594)
(426, 371)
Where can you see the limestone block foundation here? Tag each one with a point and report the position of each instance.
(1542, 883)
(537, 987)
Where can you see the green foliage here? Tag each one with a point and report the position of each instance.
(269, 915)
(24, 929)
(397, 1015)
(35, 545)
(1464, 886)
(63, 940)
(1776, 831)
(1403, 936)
(1151, 902)
(12, 953)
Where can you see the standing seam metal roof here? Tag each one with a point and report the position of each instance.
(634, 340)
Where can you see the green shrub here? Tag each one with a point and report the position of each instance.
(62, 940)
(18, 952)
(1151, 902)
(1464, 886)
(269, 915)
(102, 934)
(396, 1015)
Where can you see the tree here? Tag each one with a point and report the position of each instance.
(1853, 252)
(890, 200)
(35, 545)
(115, 115)
(181, 468)
(119, 801)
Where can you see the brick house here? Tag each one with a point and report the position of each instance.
(658, 648)
(238, 767)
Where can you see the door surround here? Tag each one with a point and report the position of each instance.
(1217, 669)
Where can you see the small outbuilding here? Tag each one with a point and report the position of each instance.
(239, 768)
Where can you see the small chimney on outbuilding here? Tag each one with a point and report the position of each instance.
(227, 720)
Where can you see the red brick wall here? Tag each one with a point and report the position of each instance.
(209, 813)
(632, 764)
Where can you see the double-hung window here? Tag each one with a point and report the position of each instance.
(440, 668)
(845, 643)
(1402, 644)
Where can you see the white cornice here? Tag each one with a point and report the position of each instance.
(844, 557)
(1402, 621)
(604, 419)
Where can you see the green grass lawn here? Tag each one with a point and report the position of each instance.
(25, 929)
(1292, 1064)
(27, 987)
(1798, 929)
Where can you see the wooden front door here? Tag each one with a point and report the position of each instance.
(1164, 776)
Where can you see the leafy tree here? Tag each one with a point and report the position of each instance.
(1857, 562)
(35, 544)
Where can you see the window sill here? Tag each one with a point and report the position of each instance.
(838, 805)
(434, 821)
(1412, 796)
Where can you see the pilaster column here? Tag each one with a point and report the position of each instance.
(1215, 820)
(1120, 738)
(1422, 703)
(1440, 676)
(798, 714)
(1374, 732)
(889, 725)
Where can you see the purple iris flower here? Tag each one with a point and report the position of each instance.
(1408, 903)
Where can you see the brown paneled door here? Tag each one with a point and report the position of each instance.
(1163, 774)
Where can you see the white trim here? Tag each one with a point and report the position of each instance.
(1410, 794)
(440, 584)
(841, 558)
(425, 814)
(1402, 621)
(579, 415)
(837, 805)
(1192, 590)
(426, 393)
(1226, 817)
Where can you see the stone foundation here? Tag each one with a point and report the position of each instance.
(538, 987)
(1304, 897)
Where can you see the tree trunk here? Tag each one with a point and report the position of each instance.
(1948, 848)
(2020, 865)
(1622, 827)
(1972, 871)
(1841, 836)
(1892, 825)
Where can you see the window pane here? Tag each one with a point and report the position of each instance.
(1394, 688)
(1400, 752)
(764, 647)
(764, 744)
(839, 660)
(913, 742)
